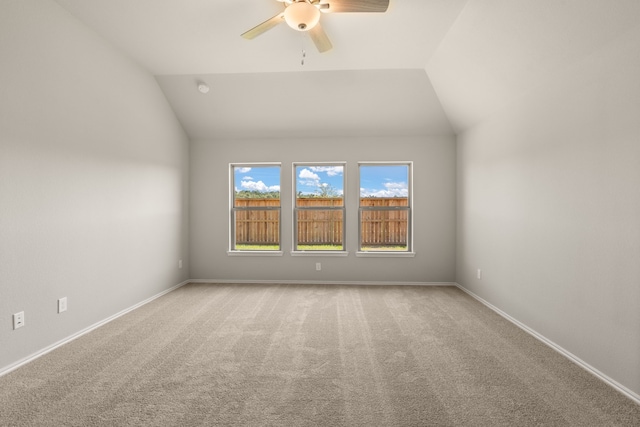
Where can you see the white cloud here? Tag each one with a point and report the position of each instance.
(330, 170)
(258, 186)
(243, 170)
(392, 189)
(307, 174)
(309, 178)
(391, 186)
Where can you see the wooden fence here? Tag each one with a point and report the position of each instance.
(322, 227)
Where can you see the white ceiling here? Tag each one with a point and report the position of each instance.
(307, 104)
(478, 54)
(501, 50)
(203, 36)
(372, 81)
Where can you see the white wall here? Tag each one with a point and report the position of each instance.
(434, 209)
(548, 194)
(93, 179)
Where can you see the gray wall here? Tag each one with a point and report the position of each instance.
(434, 209)
(548, 197)
(93, 180)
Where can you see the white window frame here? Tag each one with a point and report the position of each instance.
(232, 209)
(410, 244)
(295, 209)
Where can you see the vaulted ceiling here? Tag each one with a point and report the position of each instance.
(423, 67)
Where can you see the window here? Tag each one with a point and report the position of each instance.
(319, 208)
(255, 208)
(385, 208)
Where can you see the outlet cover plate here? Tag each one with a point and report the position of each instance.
(62, 305)
(18, 320)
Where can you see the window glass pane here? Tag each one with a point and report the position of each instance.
(257, 230)
(324, 183)
(384, 230)
(319, 229)
(256, 182)
(319, 207)
(256, 208)
(384, 207)
(384, 181)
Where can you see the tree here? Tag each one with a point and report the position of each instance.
(324, 191)
(327, 190)
(255, 194)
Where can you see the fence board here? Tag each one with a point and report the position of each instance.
(379, 227)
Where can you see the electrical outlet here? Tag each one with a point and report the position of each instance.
(479, 274)
(18, 320)
(180, 263)
(318, 266)
(62, 305)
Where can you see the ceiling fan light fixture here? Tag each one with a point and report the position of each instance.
(302, 16)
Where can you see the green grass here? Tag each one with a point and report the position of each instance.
(319, 248)
(257, 248)
(384, 248)
(300, 247)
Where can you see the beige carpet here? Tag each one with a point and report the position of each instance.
(303, 355)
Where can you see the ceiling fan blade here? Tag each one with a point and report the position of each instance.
(320, 38)
(344, 6)
(265, 26)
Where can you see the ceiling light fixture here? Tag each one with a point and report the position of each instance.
(203, 87)
(302, 16)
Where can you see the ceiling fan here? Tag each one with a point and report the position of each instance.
(304, 15)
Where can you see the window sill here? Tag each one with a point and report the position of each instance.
(319, 253)
(254, 253)
(383, 254)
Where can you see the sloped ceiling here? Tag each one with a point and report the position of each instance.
(500, 50)
(180, 37)
(424, 67)
(308, 104)
(372, 82)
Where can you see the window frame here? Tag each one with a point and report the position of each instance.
(409, 209)
(295, 209)
(233, 209)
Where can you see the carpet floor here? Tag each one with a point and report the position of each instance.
(309, 355)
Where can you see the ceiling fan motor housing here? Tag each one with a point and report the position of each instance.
(304, 15)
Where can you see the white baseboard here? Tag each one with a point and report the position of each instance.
(30, 358)
(320, 282)
(613, 383)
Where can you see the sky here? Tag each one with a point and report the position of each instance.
(384, 181)
(311, 179)
(375, 180)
